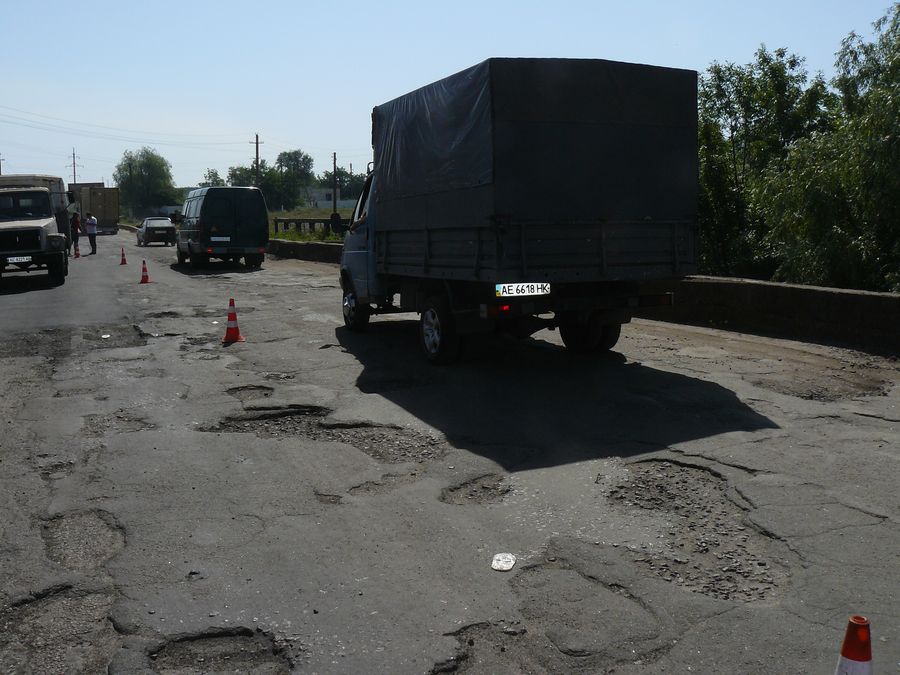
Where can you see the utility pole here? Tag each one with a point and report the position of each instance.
(257, 142)
(335, 216)
(1, 164)
(74, 165)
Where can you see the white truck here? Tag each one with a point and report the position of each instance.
(34, 225)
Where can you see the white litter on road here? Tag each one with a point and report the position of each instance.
(503, 562)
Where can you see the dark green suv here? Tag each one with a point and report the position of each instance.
(228, 223)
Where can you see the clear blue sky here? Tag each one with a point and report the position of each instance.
(196, 79)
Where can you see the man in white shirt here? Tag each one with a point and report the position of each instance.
(90, 229)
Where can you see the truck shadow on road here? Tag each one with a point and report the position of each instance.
(25, 283)
(527, 404)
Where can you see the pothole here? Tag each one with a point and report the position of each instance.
(54, 343)
(487, 489)
(239, 650)
(106, 337)
(494, 648)
(325, 498)
(82, 541)
(249, 392)
(118, 422)
(62, 631)
(386, 483)
(711, 550)
(387, 444)
(167, 314)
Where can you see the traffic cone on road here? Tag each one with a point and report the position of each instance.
(856, 652)
(124, 262)
(232, 332)
(145, 277)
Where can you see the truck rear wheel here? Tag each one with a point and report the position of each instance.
(356, 315)
(609, 336)
(437, 331)
(182, 258)
(577, 336)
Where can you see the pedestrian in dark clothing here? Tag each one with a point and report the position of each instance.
(90, 229)
(75, 224)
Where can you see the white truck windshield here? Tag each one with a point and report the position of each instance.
(23, 205)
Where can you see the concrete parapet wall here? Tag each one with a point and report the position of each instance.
(319, 251)
(858, 319)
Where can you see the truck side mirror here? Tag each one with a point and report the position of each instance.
(71, 196)
(175, 218)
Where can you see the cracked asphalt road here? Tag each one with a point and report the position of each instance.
(318, 501)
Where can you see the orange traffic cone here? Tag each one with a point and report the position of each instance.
(124, 262)
(77, 252)
(856, 652)
(232, 332)
(145, 277)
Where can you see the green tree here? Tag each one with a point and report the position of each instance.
(297, 164)
(833, 203)
(212, 179)
(145, 181)
(748, 117)
(349, 184)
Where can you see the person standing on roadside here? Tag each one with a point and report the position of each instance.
(90, 229)
(75, 224)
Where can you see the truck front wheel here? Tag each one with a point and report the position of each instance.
(356, 315)
(57, 270)
(437, 330)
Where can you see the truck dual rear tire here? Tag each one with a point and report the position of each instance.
(437, 332)
(582, 337)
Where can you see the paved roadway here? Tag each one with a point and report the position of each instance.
(318, 501)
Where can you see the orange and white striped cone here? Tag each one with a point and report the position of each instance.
(145, 277)
(856, 652)
(124, 262)
(232, 332)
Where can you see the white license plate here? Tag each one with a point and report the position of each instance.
(528, 288)
(19, 258)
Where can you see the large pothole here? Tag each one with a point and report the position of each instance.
(711, 548)
(60, 631)
(487, 489)
(238, 650)
(82, 541)
(390, 444)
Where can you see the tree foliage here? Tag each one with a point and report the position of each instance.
(212, 179)
(145, 181)
(282, 184)
(801, 182)
(350, 185)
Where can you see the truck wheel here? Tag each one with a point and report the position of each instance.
(57, 271)
(609, 336)
(356, 315)
(577, 336)
(254, 260)
(437, 330)
(182, 258)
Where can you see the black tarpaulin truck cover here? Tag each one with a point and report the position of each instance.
(566, 139)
